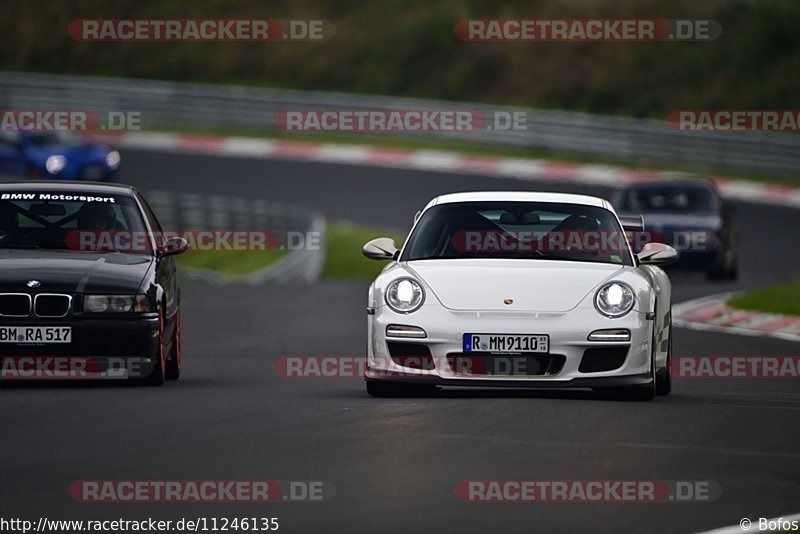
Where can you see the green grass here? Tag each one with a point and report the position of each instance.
(343, 258)
(230, 262)
(783, 298)
(465, 146)
(343, 251)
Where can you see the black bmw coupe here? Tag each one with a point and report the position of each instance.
(88, 285)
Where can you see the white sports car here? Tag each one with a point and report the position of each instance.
(519, 289)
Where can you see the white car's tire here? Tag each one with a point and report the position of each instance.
(664, 376)
(640, 393)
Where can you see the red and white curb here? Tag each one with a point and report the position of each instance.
(432, 160)
(713, 314)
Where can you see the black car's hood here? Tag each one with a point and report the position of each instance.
(688, 221)
(684, 221)
(72, 272)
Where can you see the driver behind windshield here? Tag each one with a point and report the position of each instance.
(9, 222)
(97, 217)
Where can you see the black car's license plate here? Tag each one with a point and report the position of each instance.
(35, 334)
(507, 343)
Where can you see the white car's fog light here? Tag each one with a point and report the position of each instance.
(401, 330)
(404, 295)
(611, 334)
(615, 299)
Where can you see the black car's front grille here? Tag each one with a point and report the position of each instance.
(51, 305)
(15, 304)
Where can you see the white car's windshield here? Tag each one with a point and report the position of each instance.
(518, 230)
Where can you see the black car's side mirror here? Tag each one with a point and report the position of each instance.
(173, 246)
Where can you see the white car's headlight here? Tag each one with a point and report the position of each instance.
(614, 299)
(113, 159)
(405, 295)
(55, 164)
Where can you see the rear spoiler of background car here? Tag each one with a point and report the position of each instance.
(632, 223)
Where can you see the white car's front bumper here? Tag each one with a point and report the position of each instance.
(568, 342)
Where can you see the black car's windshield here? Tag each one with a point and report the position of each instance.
(519, 230)
(668, 199)
(75, 220)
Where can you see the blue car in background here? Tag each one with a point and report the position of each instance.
(688, 214)
(56, 156)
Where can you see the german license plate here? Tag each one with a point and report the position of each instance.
(507, 343)
(35, 334)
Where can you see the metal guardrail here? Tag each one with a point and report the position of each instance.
(179, 211)
(164, 103)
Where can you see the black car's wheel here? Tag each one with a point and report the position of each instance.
(173, 364)
(732, 272)
(664, 376)
(158, 374)
(725, 268)
(377, 388)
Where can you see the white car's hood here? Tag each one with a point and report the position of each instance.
(533, 285)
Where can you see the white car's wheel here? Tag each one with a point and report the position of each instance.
(664, 376)
(646, 393)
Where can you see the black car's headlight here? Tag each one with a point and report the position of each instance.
(116, 303)
(615, 299)
(405, 295)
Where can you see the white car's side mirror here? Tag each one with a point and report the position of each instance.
(382, 248)
(657, 254)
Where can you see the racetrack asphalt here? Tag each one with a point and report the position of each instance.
(395, 462)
